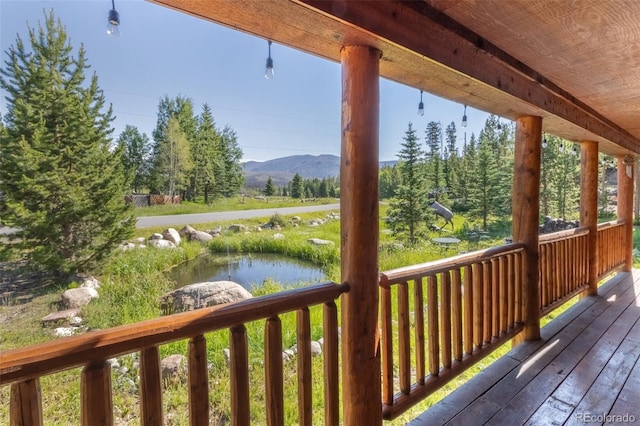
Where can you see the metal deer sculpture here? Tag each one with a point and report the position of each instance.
(443, 212)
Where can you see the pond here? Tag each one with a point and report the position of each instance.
(249, 270)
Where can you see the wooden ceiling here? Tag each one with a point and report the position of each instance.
(576, 63)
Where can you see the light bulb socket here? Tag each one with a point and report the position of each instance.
(114, 17)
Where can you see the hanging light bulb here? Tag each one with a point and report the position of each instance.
(269, 72)
(421, 106)
(544, 141)
(464, 117)
(113, 22)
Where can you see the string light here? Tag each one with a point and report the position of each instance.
(464, 117)
(113, 21)
(421, 106)
(269, 71)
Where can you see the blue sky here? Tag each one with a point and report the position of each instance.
(164, 52)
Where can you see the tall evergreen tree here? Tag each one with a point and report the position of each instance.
(230, 166)
(297, 188)
(269, 189)
(207, 159)
(63, 187)
(560, 178)
(135, 158)
(451, 164)
(408, 210)
(435, 175)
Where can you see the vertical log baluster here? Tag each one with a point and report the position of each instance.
(486, 301)
(240, 409)
(456, 283)
(26, 403)
(495, 297)
(331, 369)
(304, 367)
(510, 291)
(544, 278)
(198, 382)
(518, 287)
(468, 309)
(418, 320)
(478, 305)
(273, 372)
(404, 339)
(150, 387)
(387, 346)
(445, 318)
(95, 391)
(502, 286)
(432, 325)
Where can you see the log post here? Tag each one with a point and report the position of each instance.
(359, 235)
(625, 205)
(589, 207)
(95, 393)
(526, 216)
(26, 403)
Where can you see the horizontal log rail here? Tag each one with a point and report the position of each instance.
(441, 317)
(564, 267)
(23, 367)
(611, 247)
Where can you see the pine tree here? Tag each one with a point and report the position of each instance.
(63, 187)
(230, 166)
(206, 156)
(408, 210)
(269, 189)
(296, 187)
(135, 159)
(435, 173)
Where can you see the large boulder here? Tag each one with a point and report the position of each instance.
(78, 297)
(171, 235)
(201, 295)
(201, 236)
(186, 230)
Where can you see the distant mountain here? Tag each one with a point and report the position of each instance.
(282, 170)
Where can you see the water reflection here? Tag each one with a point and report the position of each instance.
(248, 271)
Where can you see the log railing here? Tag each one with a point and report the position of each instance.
(23, 367)
(564, 267)
(439, 318)
(611, 247)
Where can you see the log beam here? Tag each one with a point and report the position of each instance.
(625, 205)
(589, 207)
(526, 216)
(359, 235)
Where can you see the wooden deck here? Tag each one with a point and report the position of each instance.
(585, 366)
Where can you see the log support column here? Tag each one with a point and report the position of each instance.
(359, 235)
(589, 207)
(625, 205)
(526, 217)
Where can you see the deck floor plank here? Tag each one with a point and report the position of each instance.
(587, 362)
